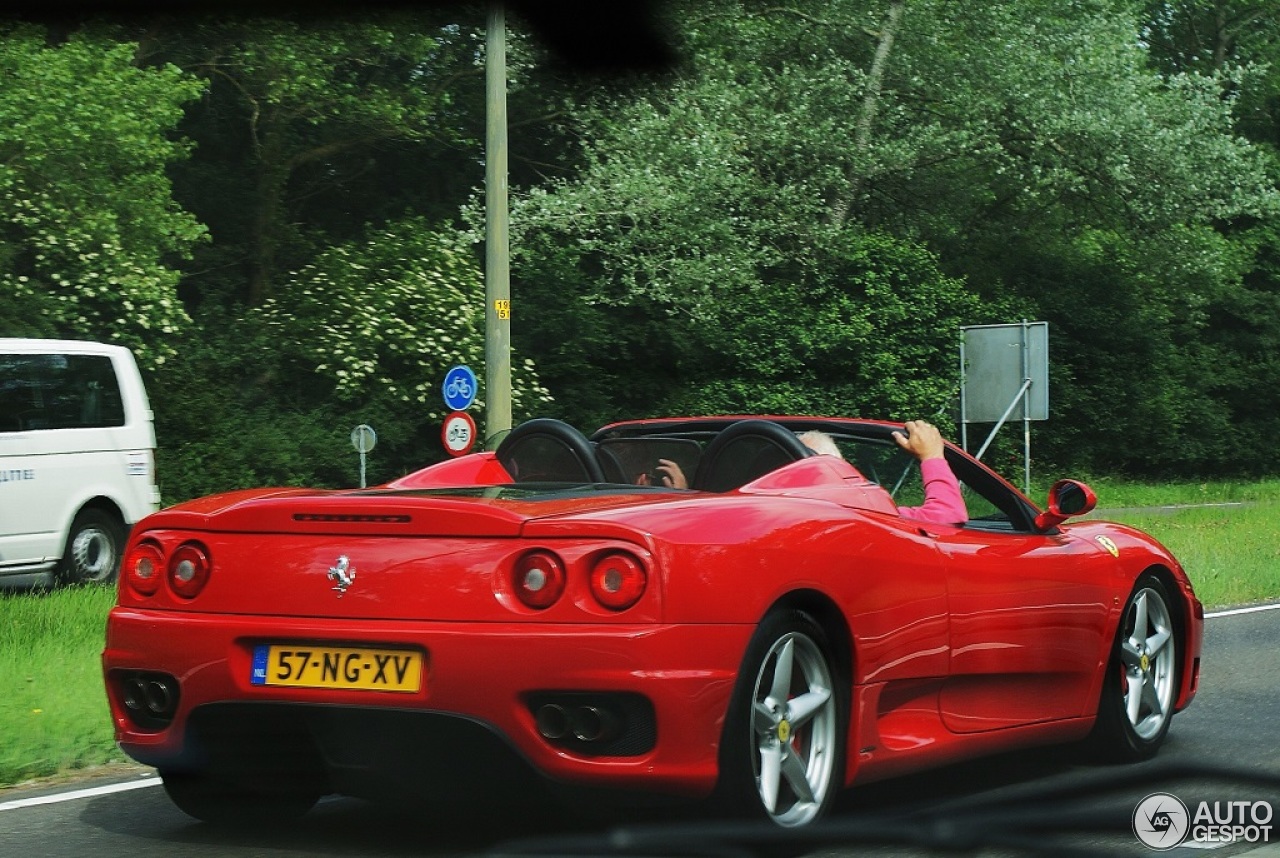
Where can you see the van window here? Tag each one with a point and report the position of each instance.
(58, 391)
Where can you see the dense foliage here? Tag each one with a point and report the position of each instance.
(90, 229)
(282, 217)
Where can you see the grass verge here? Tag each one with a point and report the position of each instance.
(1125, 494)
(1230, 553)
(53, 712)
(1220, 531)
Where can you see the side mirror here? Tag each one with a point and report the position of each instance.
(1066, 498)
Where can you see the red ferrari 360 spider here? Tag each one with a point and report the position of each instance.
(774, 632)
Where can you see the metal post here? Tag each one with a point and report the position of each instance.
(497, 261)
(1026, 410)
(1022, 391)
(964, 411)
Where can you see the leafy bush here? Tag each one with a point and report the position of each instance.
(88, 224)
(365, 334)
(382, 320)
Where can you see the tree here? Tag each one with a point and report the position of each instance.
(1209, 36)
(1097, 190)
(1023, 145)
(89, 232)
(1236, 43)
(314, 127)
(378, 322)
(362, 334)
(865, 326)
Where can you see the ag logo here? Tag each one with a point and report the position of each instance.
(1161, 821)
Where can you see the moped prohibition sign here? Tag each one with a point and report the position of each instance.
(458, 433)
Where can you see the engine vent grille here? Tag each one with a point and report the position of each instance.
(351, 517)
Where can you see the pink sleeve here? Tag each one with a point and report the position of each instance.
(943, 503)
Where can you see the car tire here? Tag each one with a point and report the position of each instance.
(1140, 686)
(782, 753)
(92, 552)
(222, 801)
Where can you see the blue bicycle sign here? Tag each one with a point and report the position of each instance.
(459, 388)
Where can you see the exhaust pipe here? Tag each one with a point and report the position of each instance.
(159, 698)
(552, 721)
(134, 694)
(150, 698)
(593, 724)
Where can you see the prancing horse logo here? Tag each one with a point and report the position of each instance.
(343, 575)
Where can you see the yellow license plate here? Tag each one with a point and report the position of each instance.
(358, 668)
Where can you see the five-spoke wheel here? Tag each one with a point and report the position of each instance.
(784, 737)
(1141, 686)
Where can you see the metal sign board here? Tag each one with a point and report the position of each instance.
(997, 363)
(363, 438)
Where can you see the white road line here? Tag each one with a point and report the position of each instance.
(1237, 611)
(79, 793)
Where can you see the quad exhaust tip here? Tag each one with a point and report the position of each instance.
(585, 722)
(150, 698)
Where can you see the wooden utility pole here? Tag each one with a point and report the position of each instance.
(497, 251)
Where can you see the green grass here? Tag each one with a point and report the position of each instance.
(1118, 493)
(53, 710)
(1230, 554)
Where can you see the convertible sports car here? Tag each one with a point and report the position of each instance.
(549, 611)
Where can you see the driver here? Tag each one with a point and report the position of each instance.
(666, 473)
(943, 503)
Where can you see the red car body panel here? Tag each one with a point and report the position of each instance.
(212, 658)
(958, 642)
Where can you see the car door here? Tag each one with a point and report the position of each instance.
(29, 533)
(1030, 614)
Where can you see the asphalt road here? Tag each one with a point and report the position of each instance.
(1234, 723)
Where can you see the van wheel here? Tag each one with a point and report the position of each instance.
(92, 553)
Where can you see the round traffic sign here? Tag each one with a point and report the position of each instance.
(363, 438)
(459, 388)
(458, 433)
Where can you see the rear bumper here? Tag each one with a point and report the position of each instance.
(488, 674)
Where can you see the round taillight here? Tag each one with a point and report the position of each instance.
(189, 570)
(618, 580)
(144, 567)
(538, 579)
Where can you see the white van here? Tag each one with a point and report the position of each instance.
(77, 460)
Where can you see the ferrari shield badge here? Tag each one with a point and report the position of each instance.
(1104, 541)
